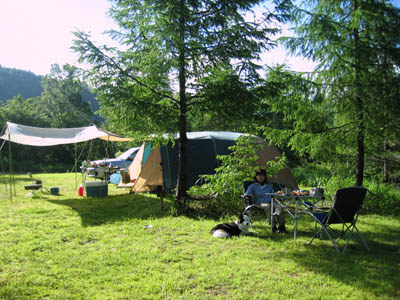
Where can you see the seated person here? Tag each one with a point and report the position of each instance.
(258, 191)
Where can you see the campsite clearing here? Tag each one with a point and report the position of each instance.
(71, 247)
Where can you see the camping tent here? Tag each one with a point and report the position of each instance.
(157, 167)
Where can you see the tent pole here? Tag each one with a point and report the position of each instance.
(107, 147)
(10, 166)
(3, 172)
(2, 164)
(75, 169)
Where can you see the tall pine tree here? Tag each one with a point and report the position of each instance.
(168, 50)
(357, 46)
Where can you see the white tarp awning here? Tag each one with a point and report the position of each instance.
(36, 136)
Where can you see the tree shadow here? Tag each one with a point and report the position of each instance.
(5, 179)
(377, 271)
(95, 211)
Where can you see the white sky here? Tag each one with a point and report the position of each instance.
(35, 34)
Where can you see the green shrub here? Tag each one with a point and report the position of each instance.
(30, 166)
(382, 198)
(336, 182)
(226, 185)
(311, 175)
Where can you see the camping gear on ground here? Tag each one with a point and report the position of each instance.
(35, 186)
(105, 168)
(80, 190)
(156, 167)
(96, 188)
(115, 178)
(125, 177)
(54, 190)
(319, 191)
(96, 172)
(122, 161)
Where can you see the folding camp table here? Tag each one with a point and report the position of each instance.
(298, 200)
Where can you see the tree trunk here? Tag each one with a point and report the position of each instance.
(386, 176)
(182, 173)
(360, 108)
(386, 91)
(360, 144)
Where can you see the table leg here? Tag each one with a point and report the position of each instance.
(296, 218)
(272, 215)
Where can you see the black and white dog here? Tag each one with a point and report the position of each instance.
(225, 230)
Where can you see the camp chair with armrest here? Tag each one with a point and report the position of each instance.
(249, 206)
(345, 211)
(248, 201)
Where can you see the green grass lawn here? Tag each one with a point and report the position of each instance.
(71, 247)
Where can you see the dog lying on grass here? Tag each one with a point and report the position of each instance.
(239, 227)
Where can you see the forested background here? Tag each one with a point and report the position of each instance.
(59, 100)
(194, 65)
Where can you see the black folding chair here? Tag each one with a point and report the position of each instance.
(345, 211)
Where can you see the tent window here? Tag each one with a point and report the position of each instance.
(146, 152)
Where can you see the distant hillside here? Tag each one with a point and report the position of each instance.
(14, 82)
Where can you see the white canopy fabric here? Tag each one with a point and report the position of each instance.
(36, 136)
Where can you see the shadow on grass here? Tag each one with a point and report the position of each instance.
(377, 271)
(5, 179)
(96, 211)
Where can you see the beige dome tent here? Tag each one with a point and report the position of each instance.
(156, 167)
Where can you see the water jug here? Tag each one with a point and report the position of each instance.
(80, 190)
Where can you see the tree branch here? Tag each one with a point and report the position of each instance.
(84, 38)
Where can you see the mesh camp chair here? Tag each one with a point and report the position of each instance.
(345, 211)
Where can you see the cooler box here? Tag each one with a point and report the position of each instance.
(96, 189)
(54, 190)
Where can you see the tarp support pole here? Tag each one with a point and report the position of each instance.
(75, 169)
(108, 139)
(12, 185)
(3, 172)
(2, 164)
